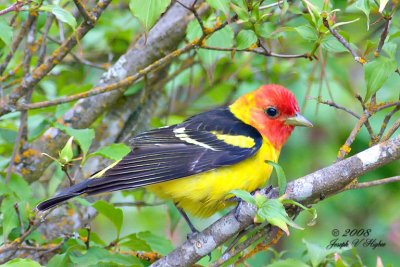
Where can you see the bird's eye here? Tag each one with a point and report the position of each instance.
(271, 112)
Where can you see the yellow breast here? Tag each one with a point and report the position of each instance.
(203, 194)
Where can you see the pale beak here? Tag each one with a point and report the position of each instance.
(298, 120)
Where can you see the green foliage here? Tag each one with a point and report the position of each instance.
(148, 11)
(61, 14)
(378, 71)
(83, 137)
(281, 177)
(114, 151)
(5, 33)
(245, 39)
(21, 263)
(114, 214)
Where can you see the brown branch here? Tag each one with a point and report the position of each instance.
(56, 57)
(343, 41)
(79, 59)
(17, 41)
(383, 36)
(392, 130)
(387, 119)
(168, 32)
(42, 48)
(345, 148)
(254, 50)
(369, 112)
(21, 128)
(308, 189)
(372, 183)
(126, 81)
(15, 7)
(335, 105)
(85, 13)
(110, 87)
(13, 246)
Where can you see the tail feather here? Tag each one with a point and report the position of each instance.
(64, 195)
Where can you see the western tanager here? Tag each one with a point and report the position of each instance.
(197, 163)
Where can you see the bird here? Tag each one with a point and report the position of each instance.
(198, 162)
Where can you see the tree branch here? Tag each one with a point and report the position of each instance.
(161, 39)
(307, 190)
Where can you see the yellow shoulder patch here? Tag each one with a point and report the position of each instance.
(235, 140)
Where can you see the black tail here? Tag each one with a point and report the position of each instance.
(68, 193)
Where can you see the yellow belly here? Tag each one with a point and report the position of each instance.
(203, 194)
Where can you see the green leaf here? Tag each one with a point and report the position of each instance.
(10, 218)
(318, 254)
(20, 187)
(222, 5)
(58, 260)
(390, 49)
(377, 72)
(245, 39)
(134, 243)
(61, 14)
(96, 255)
(157, 243)
(66, 153)
(331, 44)
(307, 32)
(114, 151)
(241, 12)
(6, 33)
(114, 214)
(274, 212)
(264, 30)
(363, 5)
(246, 196)
(21, 263)
(288, 263)
(148, 11)
(282, 182)
(83, 137)
(312, 211)
(64, 16)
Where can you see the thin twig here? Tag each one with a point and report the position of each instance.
(270, 5)
(23, 119)
(42, 48)
(387, 119)
(383, 36)
(256, 51)
(335, 105)
(343, 41)
(17, 42)
(345, 148)
(126, 81)
(373, 183)
(15, 7)
(85, 13)
(392, 130)
(196, 15)
(55, 58)
(370, 113)
(21, 222)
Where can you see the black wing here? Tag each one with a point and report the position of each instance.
(174, 152)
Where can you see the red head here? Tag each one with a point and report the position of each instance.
(272, 110)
